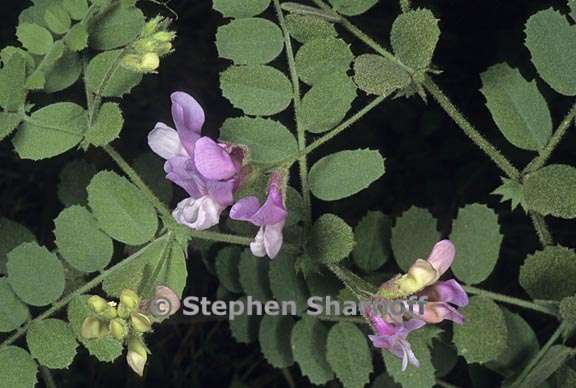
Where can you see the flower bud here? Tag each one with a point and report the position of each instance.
(137, 355)
(151, 25)
(163, 48)
(93, 328)
(109, 313)
(149, 62)
(118, 328)
(140, 322)
(164, 36)
(97, 304)
(129, 299)
(144, 46)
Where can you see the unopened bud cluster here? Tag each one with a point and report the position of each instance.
(123, 320)
(154, 43)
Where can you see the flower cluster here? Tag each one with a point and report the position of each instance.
(421, 280)
(154, 43)
(127, 321)
(211, 173)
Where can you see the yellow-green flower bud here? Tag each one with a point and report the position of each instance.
(164, 36)
(151, 25)
(163, 48)
(129, 299)
(92, 328)
(131, 62)
(97, 304)
(140, 322)
(144, 46)
(123, 311)
(110, 312)
(118, 328)
(137, 355)
(149, 62)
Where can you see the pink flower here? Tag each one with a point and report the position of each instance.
(207, 170)
(393, 337)
(270, 217)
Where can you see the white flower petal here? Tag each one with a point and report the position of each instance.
(257, 246)
(164, 141)
(199, 214)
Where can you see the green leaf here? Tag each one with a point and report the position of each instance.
(17, 368)
(12, 83)
(57, 19)
(567, 309)
(345, 173)
(105, 349)
(521, 348)
(308, 340)
(552, 360)
(12, 234)
(550, 191)
(173, 272)
(414, 37)
(552, 43)
(413, 237)
(52, 342)
(323, 56)
(13, 313)
(77, 8)
(80, 242)
(108, 125)
(372, 235)
(331, 239)
(117, 28)
(275, 341)
(8, 123)
(286, 284)
(304, 28)
(549, 273)
(476, 235)
(64, 73)
(348, 355)
(254, 279)
(245, 327)
(352, 7)
(384, 381)
(35, 274)
(151, 169)
(295, 206)
(326, 104)
(257, 90)
(250, 41)
(511, 190)
(121, 209)
(50, 131)
(105, 76)
(74, 178)
(377, 75)
(233, 8)
(268, 140)
(35, 38)
(77, 38)
(227, 262)
(422, 377)
(518, 108)
(482, 316)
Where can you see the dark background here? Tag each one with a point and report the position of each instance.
(430, 163)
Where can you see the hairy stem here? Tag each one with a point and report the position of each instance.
(541, 228)
(470, 131)
(510, 300)
(405, 5)
(539, 161)
(80, 291)
(301, 135)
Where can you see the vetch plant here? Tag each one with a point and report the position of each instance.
(268, 203)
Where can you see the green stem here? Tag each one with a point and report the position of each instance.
(539, 161)
(540, 354)
(301, 135)
(405, 5)
(541, 228)
(470, 131)
(47, 377)
(80, 291)
(510, 300)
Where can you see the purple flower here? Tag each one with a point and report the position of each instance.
(392, 337)
(442, 299)
(207, 170)
(270, 217)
